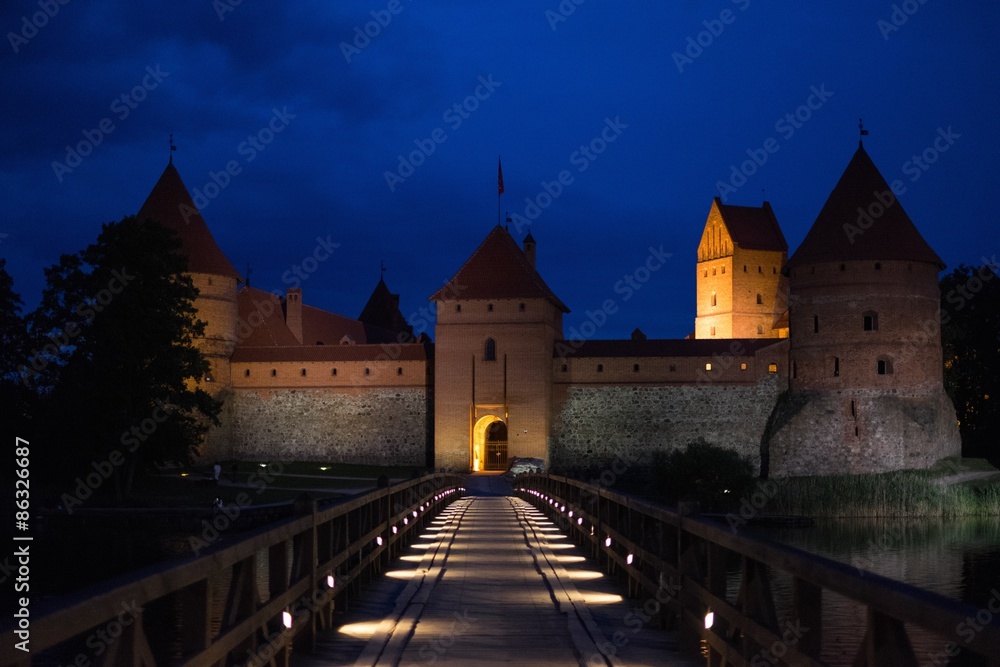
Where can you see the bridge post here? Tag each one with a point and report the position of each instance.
(689, 619)
(195, 602)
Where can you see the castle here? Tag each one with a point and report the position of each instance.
(825, 362)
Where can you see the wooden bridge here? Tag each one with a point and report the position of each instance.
(557, 573)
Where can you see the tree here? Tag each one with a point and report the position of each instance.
(970, 336)
(114, 355)
(14, 395)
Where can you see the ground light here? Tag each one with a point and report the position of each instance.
(709, 619)
(286, 619)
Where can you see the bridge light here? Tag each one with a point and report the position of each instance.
(395, 530)
(579, 521)
(406, 521)
(378, 540)
(330, 581)
(286, 619)
(571, 514)
(607, 541)
(709, 619)
(414, 514)
(628, 559)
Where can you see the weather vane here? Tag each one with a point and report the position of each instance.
(249, 271)
(381, 269)
(170, 157)
(862, 130)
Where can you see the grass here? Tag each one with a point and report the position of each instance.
(903, 493)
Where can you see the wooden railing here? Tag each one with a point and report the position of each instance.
(679, 560)
(164, 614)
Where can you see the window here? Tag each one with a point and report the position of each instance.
(836, 366)
(673, 367)
(744, 268)
(708, 366)
(878, 266)
(246, 373)
(635, 368)
(600, 368)
(711, 331)
(490, 350)
(274, 372)
(714, 300)
(853, 409)
(760, 269)
(399, 371)
(743, 366)
(815, 323)
(706, 273)
(760, 300)
(760, 329)
(368, 371)
(303, 372)
(565, 367)
(884, 366)
(843, 267)
(870, 321)
(521, 307)
(489, 308)
(772, 368)
(723, 270)
(458, 307)
(774, 270)
(333, 372)
(713, 272)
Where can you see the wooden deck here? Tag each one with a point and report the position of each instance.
(493, 581)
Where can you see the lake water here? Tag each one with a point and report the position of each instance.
(957, 558)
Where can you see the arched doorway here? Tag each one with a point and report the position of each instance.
(489, 444)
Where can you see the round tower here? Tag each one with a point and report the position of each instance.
(171, 205)
(865, 361)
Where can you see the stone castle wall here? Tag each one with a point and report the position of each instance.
(379, 426)
(597, 424)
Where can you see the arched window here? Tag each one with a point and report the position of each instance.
(565, 367)
(869, 321)
(303, 372)
(723, 269)
(713, 271)
(600, 368)
(274, 372)
(815, 323)
(760, 329)
(246, 373)
(635, 367)
(399, 371)
(490, 350)
(333, 372)
(836, 366)
(760, 299)
(496, 432)
(458, 307)
(489, 307)
(673, 367)
(714, 300)
(521, 307)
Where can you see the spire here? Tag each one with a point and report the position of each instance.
(170, 155)
(170, 204)
(863, 132)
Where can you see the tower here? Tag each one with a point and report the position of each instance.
(497, 323)
(170, 204)
(741, 289)
(865, 378)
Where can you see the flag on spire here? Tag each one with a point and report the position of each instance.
(499, 177)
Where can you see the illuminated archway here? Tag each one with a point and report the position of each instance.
(489, 444)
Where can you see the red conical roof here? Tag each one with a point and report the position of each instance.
(171, 205)
(497, 269)
(842, 233)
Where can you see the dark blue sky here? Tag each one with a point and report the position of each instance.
(554, 86)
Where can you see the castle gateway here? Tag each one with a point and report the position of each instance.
(825, 362)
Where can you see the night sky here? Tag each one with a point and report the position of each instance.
(675, 116)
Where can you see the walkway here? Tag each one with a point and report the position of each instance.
(494, 582)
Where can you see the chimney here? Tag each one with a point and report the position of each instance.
(293, 311)
(529, 249)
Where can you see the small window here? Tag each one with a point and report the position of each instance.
(458, 307)
(714, 300)
(878, 266)
(836, 367)
(853, 409)
(760, 269)
(774, 270)
(711, 331)
(490, 350)
(855, 431)
(723, 270)
(303, 372)
(815, 323)
(333, 372)
(521, 307)
(884, 366)
(274, 372)
(760, 329)
(673, 367)
(713, 272)
(706, 273)
(246, 373)
(869, 321)
(209, 279)
(399, 371)
(760, 300)
(708, 366)
(772, 368)
(600, 368)
(635, 368)
(743, 366)
(489, 308)
(565, 367)
(843, 267)
(368, 371)
(744, 268)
